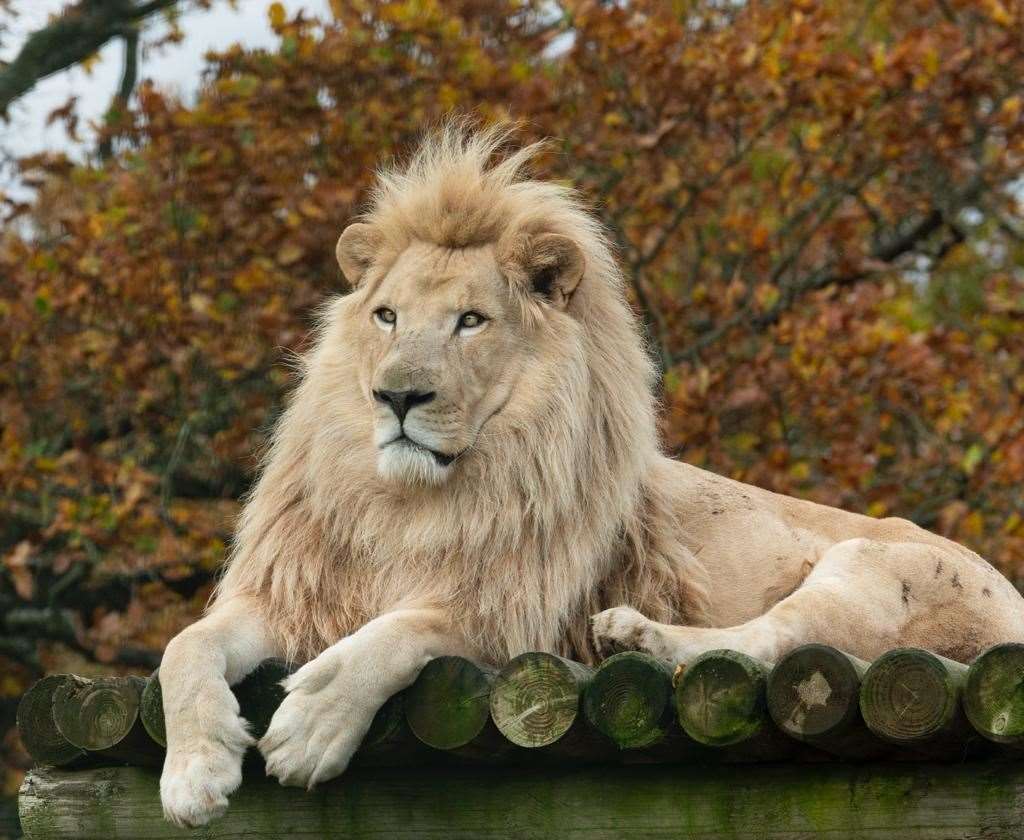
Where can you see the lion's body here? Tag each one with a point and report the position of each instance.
(470, 465)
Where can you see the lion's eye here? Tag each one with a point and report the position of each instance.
(385, 317)
(471, 321)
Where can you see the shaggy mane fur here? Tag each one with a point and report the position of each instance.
(548, 522)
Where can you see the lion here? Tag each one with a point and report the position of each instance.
(470, 466)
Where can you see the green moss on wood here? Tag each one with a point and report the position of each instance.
(720, 698)
(630, 700)
(449, 704)
(993, 695)
(151, 709)
(782, 802)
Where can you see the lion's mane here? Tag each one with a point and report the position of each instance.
(550, 521)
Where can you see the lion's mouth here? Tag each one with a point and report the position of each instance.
(442, 458)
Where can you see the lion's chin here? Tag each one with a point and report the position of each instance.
(406, 463)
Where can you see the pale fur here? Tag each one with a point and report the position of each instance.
(367, 553)
(544, 516)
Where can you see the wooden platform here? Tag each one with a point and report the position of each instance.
(852, 802)
(817, 745)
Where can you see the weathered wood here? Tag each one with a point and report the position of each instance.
(665, 802)
(102, 716)
(993, 696)
(720, 699)
(911, 697)
(813, 695)
(630, 700)
(151, 709)
(535, 699)
(449, 704)
(38, 730)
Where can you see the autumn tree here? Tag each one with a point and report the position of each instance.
(817, 204)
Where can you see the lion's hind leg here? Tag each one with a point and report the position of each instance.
(863, 597)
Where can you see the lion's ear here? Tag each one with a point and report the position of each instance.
(549, 264)
(357, 247)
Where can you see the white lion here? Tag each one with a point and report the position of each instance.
(470, 466)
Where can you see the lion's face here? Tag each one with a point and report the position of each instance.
(442, 341)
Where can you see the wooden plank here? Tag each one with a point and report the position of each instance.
(775, 802)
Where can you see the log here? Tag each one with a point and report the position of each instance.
(39, 732)
(720, 698)
(768, 802)
(993, 696)
(102, 716)
(813, 695)
(630, 700)
(911, 697)
(535, 698)
(449, 704)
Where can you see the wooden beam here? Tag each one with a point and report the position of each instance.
(773, 802)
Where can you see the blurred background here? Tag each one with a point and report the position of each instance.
(819, 205)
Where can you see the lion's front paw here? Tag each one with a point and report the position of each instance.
(197, 779)
(320, 724)
(623, 628)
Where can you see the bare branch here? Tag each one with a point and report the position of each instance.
(77, 34)
(119, 104)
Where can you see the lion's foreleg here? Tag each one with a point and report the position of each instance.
(206, 738)
(331, 700)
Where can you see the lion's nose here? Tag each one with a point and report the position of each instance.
(402, 401)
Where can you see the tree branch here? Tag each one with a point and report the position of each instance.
(119, 104)
(70, 39)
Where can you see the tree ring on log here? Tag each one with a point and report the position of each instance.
(97, 714)
(908, 695)
(536, 698)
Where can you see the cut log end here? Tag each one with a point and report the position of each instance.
(814, 692)
(994, 694)
(97, 714)
(536, 698)
(151, 710)
(630, 700)
(37, 728)
(449, 704)
(720, 698)
(911, 696)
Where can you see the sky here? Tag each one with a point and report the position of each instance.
(176, 67)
